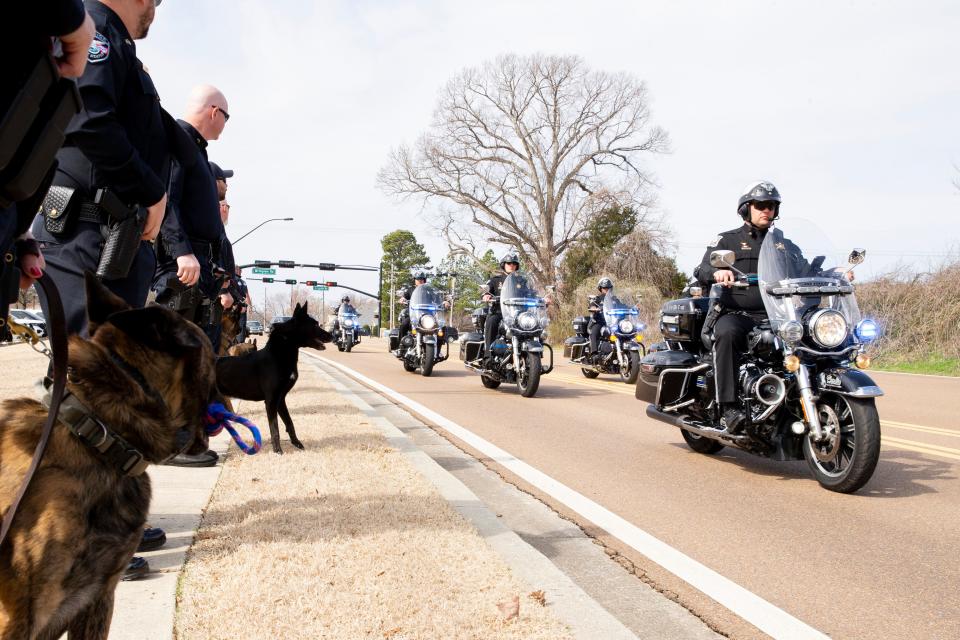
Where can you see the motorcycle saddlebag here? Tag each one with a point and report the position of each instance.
(570, 343)
(682, 319)
(653, 364)
(394, 336)
(580, 326)
(471, 344)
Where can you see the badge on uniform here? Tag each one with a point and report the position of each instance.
(99, 48)
(780, 246)
(716, 241)
(744, 246)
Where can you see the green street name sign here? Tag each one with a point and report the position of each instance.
(321, 287)
(266, 272)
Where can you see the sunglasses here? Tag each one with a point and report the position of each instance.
(765, 206)
(226, 116)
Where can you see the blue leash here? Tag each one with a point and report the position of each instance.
(218, 419)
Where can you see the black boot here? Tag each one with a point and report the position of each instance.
(732, 417)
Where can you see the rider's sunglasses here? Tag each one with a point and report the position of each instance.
(768, 205)
(226, 116)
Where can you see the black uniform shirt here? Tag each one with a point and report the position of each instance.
(597, 301)
(493, 287)
(118, 140)
(745, 241)
(192, 223)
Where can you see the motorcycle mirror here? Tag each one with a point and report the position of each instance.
(722, 259)
(857, 256)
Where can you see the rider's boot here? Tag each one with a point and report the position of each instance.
(732, 417)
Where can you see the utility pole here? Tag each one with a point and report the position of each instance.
(392, 293)
(264, 306)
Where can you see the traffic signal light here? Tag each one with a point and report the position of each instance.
(327, 266)
(330, 284)
(310, 283)
(266, 279)
(262, 263)
(291, 281)
(286, 264)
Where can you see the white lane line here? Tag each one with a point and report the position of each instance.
(762, 614)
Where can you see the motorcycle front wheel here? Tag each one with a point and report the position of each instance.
(847, 457)
(349, 346)
(427, 367)
(630, 370)
(528, 378)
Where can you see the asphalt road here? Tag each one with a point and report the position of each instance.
(882, 563)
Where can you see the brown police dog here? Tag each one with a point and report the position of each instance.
(242, 348)
(148, 376)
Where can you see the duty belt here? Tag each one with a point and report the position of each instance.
(91, 212)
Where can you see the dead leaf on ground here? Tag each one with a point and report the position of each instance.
(539, 597)
(392, 632)
(510, 608)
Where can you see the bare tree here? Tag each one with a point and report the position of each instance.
(526, 150)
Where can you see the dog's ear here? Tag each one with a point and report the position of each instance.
(298, 310)
(304, 308)
(158, 329)
(101, 302)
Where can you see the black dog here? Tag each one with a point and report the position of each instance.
(270, 373)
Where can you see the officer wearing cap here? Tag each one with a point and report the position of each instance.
(595, 308)
(28, 38)
(190, 235)
(116, 143)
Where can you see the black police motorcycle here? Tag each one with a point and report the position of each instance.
(348, 328)
(801, 386)
(517, 352)
(620, 345)
(428, 342)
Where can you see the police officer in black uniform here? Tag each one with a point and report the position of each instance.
(759, 206)
(418, 279)
(117, 143)
(192, 230)
(243, 299)
(509, 263)
(595, 308)
(27, 30)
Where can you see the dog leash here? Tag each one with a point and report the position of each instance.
(57, 330)
(218, 419)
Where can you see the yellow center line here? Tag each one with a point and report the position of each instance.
(917, 427)
(925, 449)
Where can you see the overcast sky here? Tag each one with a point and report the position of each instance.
(850, 108)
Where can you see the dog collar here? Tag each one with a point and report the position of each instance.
(96, 435)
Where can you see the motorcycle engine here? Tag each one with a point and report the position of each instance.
(766, 388)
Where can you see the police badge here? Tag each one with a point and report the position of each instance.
(99, 48)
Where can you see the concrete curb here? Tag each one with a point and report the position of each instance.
(571, 604)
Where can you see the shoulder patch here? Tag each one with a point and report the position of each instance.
(99, 48)
(716, 241)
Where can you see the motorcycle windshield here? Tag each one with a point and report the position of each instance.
(799, 271)
(518, 296)
(426, 301)
(615, 311)
(347, 316)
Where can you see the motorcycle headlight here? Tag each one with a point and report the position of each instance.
(867, 330)
(348, 323)
(527, 321)
(428, 322)
(791, 331)
(625, 326)
(828, 328)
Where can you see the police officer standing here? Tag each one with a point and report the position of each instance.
(27, 31)
(191, 233)
(509, 263)
(116, 143)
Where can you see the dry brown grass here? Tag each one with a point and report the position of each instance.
(343, 540)
(919, 314)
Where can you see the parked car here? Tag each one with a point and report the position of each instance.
(278, 320)
(254, 327)
(27, 319)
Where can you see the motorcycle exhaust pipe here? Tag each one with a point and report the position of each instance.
(769, 389)
(708, 432)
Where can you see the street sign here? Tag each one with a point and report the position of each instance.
(320, 287)
(265, 272)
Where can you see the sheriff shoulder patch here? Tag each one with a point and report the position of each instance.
(716, 241)
(99, 48)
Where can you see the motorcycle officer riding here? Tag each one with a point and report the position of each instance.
(345, 300)
(418, 279)
(597, 321)
(758, 206)
(509, 263)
